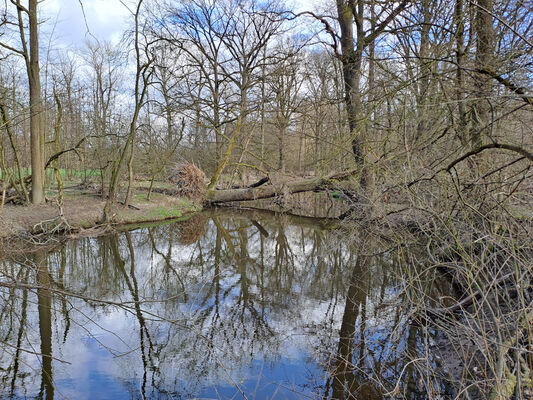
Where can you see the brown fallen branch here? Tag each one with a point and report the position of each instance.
(260, 182)
(26, 180)
(60, 153)
(129, 205)
(10, 199)
(268, 191)
(168, 192)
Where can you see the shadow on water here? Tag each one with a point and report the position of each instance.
(226, 305)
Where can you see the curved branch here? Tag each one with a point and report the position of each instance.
(480, 149)
(504, 146)
(520, 91)
(60, 153)
(327, 26)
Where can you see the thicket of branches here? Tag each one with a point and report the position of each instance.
(246, 88)
(430, 101)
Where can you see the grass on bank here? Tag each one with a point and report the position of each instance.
(83, 209)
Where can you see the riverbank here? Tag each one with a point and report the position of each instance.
(84, 211)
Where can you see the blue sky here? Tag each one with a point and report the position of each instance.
(105, 19)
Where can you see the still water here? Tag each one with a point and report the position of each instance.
(224, 305)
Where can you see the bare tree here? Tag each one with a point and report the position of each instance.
(484, 59)
(105, 63)
(350, 12)
(225, 43)
(285, 82)
(143, 71)
(30, 53)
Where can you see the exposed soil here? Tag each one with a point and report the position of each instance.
(83, 211)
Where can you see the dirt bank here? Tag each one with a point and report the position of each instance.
(84, 211)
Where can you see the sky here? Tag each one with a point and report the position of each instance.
(104, 19)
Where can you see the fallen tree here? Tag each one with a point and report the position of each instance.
(272, 190)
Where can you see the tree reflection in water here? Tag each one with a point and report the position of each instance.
(251, 305)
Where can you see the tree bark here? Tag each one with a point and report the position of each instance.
(32, 65)
(265, 192)
(351, 69)
(484, 59)
(350, 12)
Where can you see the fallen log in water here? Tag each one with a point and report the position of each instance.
(268, 191)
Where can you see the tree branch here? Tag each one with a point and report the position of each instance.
(508, 84)
(381, 27)
(60, 153)
(503, 146)
(494, 145)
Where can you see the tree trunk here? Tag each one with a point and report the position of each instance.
(351, 70)
(57, 133)
(462, 126)
(484, 59)
(281, 163)
(265, 192)
(348, 13)
(141, 87)
(37, 181)
(231, 143)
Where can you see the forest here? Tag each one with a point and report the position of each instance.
(416, 116)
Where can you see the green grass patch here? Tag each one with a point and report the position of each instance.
(71, 173)
(163, 212)
(188, 204)
(141, 197)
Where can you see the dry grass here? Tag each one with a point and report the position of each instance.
(190, 181)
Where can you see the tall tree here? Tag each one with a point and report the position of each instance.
(484, 58)
(225, 44)
(104, 62)
(30, 53)
(36, 106)
(285, 84)
(143, 71)
(350, 12)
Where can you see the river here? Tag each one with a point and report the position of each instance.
(226, 305)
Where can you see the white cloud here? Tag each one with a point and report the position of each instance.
(307, 5)
(104, 19)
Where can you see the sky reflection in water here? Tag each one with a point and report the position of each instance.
(218, 307)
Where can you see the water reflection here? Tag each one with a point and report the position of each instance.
(226, 305)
